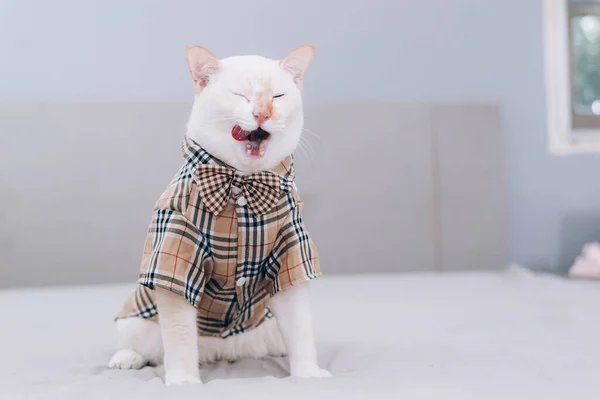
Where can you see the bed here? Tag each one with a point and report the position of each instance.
(424, 186)
(459, 335)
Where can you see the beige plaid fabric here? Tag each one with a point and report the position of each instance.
(226, 242)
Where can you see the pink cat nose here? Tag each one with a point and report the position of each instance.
(261, 117)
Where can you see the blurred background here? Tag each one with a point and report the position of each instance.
(453, 104)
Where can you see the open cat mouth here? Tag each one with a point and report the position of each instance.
(254, 139)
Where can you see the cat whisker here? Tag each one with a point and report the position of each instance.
(308, 150)
(302, 149)
(312, 133)
(309, 146)
(318, 137)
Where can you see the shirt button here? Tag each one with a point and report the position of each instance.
(241, 281)
(241, 201)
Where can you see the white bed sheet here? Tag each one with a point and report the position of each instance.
(510, 335)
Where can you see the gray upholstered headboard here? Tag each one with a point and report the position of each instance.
(388, 187)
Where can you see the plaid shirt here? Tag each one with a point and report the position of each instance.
(226, 258)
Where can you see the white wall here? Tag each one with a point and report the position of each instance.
(381, 50)
(472, 50)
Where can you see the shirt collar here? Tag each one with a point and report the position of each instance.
(194, 154)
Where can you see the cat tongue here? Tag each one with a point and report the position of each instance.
(239, 134)
(254, 145)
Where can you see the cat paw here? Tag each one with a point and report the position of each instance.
(311, 372)
(126, 359)
(182, 378)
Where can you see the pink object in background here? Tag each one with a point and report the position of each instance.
(587, 265)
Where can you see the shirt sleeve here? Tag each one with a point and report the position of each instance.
(176, 256)
(295, 257)
(140, 303)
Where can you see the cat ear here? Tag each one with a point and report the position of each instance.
(202, 64)
(298, 61)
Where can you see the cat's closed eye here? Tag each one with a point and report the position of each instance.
(241, 95)
(278, 96)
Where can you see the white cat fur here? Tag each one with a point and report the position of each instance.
(233, 91)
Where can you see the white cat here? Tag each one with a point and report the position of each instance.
(248, 113)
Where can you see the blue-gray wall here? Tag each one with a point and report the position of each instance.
(448, 50)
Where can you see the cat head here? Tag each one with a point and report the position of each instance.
(247, 109)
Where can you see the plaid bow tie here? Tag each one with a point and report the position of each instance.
(261, 189)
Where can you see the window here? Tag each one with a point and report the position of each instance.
(573, 74)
